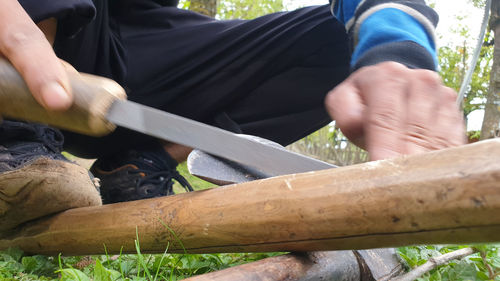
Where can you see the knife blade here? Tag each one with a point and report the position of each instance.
(270, 160)
(100, 104)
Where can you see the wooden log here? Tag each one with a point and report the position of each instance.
(340, 265)
(448, 196)
(378, 264)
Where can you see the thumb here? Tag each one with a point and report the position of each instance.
(26, 47)
(345, 106)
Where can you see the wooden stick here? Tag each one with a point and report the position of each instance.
(341, 265)
(311, 266)
(449, 196)
(435, 262)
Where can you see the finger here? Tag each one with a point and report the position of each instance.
(26, 47)
(346, 107)
(68, 67)
(384, 90)
(450, 128)
(423, 107)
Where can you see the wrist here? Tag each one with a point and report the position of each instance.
(408, 53)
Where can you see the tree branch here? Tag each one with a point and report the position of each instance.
(491, 273)
(434, 262)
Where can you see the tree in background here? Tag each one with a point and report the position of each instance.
(330, 145)
(233, 9)
(248, 9)
(453, 63)
(205, 7)
(491, 120)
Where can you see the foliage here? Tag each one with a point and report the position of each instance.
(453, 63)
(431, 3)
(478, 3)
(484, 265)
(15, 266)
(242, 9)
(329, 144)
(196, 182)
(473, 136)
(247, 9)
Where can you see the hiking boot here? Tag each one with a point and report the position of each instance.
(35, 178)
(138, 174)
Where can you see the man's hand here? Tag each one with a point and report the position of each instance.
(391, 110)
(28, 49)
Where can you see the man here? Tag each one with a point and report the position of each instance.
(267, 77)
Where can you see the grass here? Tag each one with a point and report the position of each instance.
(14, 265)
(197, 183)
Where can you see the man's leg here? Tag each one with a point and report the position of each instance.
(266, 77)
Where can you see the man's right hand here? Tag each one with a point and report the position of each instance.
(393, 110)
(25, 45)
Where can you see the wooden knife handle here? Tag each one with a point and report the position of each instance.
(93, 97)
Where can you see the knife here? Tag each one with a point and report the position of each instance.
(100, 105)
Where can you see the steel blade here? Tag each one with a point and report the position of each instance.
(213, 140)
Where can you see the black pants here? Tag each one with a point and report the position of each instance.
(266, 77)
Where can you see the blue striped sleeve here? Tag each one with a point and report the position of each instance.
(383, 30)
(344, 10)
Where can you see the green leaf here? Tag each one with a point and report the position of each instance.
(482, 248)
(420, 262)
(72, 274)
(462, 271)
(127, 266)
(495, 261)
(436, 276)
(31, 264)
(411, 255)
(100, 273)
(12, 265)
(482, 276)
(15, 253)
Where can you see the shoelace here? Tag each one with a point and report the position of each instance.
(52, 139)
(164, 179)
(49, 144)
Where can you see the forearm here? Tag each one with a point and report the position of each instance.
(383, 30)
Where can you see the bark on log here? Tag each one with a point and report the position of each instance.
(341, 265)
(365, 265)
(449, 196)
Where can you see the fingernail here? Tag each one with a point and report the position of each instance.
(55, 97)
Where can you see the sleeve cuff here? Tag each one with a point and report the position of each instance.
(408, 53)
